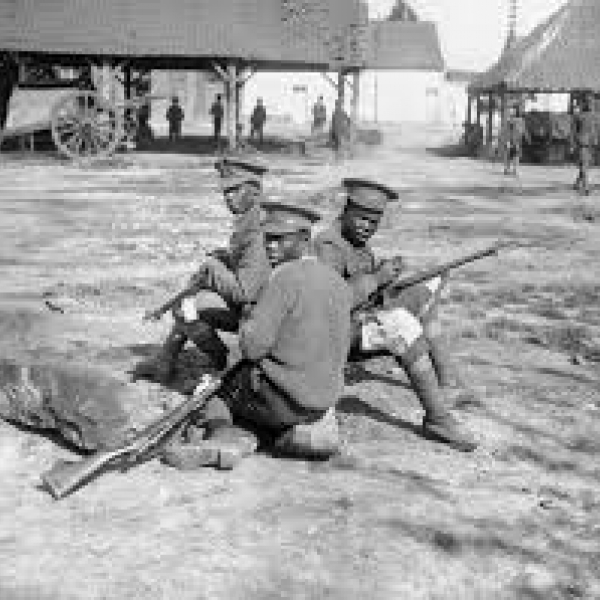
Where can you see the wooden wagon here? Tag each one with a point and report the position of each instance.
(127, 39)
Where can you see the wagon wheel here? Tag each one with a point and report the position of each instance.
(84, 126)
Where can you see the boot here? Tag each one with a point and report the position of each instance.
(161, 367)
(212, 346)
(318, 440)
(447, 375)
(438, 424)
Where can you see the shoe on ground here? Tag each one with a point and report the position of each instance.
(224, 448)
(448, 430)
(318, 440)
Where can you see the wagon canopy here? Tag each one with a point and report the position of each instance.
(268, 33)
(561, 54)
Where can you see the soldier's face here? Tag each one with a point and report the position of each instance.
(359, 226)
(239, 199)
(283, 247)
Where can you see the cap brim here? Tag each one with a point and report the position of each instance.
(230, 183)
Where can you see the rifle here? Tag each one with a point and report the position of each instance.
(161, 311)
(220, 254)
(67, 476)
(427, 274)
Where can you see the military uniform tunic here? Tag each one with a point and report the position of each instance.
(398, 322)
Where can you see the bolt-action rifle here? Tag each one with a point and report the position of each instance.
(403, 283)
(65, 477)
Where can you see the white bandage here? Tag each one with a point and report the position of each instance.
(391, 329)
(188, 310)
(433, 285)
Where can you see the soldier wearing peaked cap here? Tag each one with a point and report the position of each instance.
(294, 344)
(406, 327)
(235, 275)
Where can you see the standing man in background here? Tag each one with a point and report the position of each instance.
(175, 116)
(319, 115)
(514, 134)
(258, 120)
(340, 128)
(584, 139)
(217, 112)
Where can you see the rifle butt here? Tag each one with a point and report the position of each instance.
(67, 476)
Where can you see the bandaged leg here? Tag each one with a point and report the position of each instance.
(199, 319)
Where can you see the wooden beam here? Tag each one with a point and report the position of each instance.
(221, 72)
(329, 80)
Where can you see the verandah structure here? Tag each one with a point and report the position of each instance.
(561, 55)
(232, 37)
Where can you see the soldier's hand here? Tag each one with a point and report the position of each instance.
(198, 280)
(220, 254)
(389, 270)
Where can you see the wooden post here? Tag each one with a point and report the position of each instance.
(490, 121)
(355, 106)
(341, 86)
(238, 105)
(231, 105)
(469, 111)
(127, 83)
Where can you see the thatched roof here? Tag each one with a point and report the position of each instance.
(561, 54)
(264, 32)
(405, 45)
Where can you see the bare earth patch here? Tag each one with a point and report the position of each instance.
(84, 252)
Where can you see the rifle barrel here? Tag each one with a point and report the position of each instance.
(427, 274)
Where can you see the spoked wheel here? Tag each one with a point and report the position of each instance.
(85, 126)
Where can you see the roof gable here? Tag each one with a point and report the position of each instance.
(405, 45)
(560, 54)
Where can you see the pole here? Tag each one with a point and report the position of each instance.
(355, 106)
(490, 122)
(231, 105)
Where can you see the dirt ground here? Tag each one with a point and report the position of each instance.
(396, 516)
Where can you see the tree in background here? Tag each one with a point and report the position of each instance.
(402, 11)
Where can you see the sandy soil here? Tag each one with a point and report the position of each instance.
(396, 516)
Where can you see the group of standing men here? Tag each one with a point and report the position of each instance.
(298, 306)
(584, 138)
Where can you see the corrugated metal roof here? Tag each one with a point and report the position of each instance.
(288, 31)
(561, 54)
(405, 45)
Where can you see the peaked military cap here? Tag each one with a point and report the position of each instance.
(287, 218)
(236, 171)
(368, 195)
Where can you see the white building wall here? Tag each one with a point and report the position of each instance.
(385, 96)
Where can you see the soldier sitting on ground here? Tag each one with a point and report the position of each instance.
(406, 327)
(236, 276)
(294, 346)
(584, 140)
